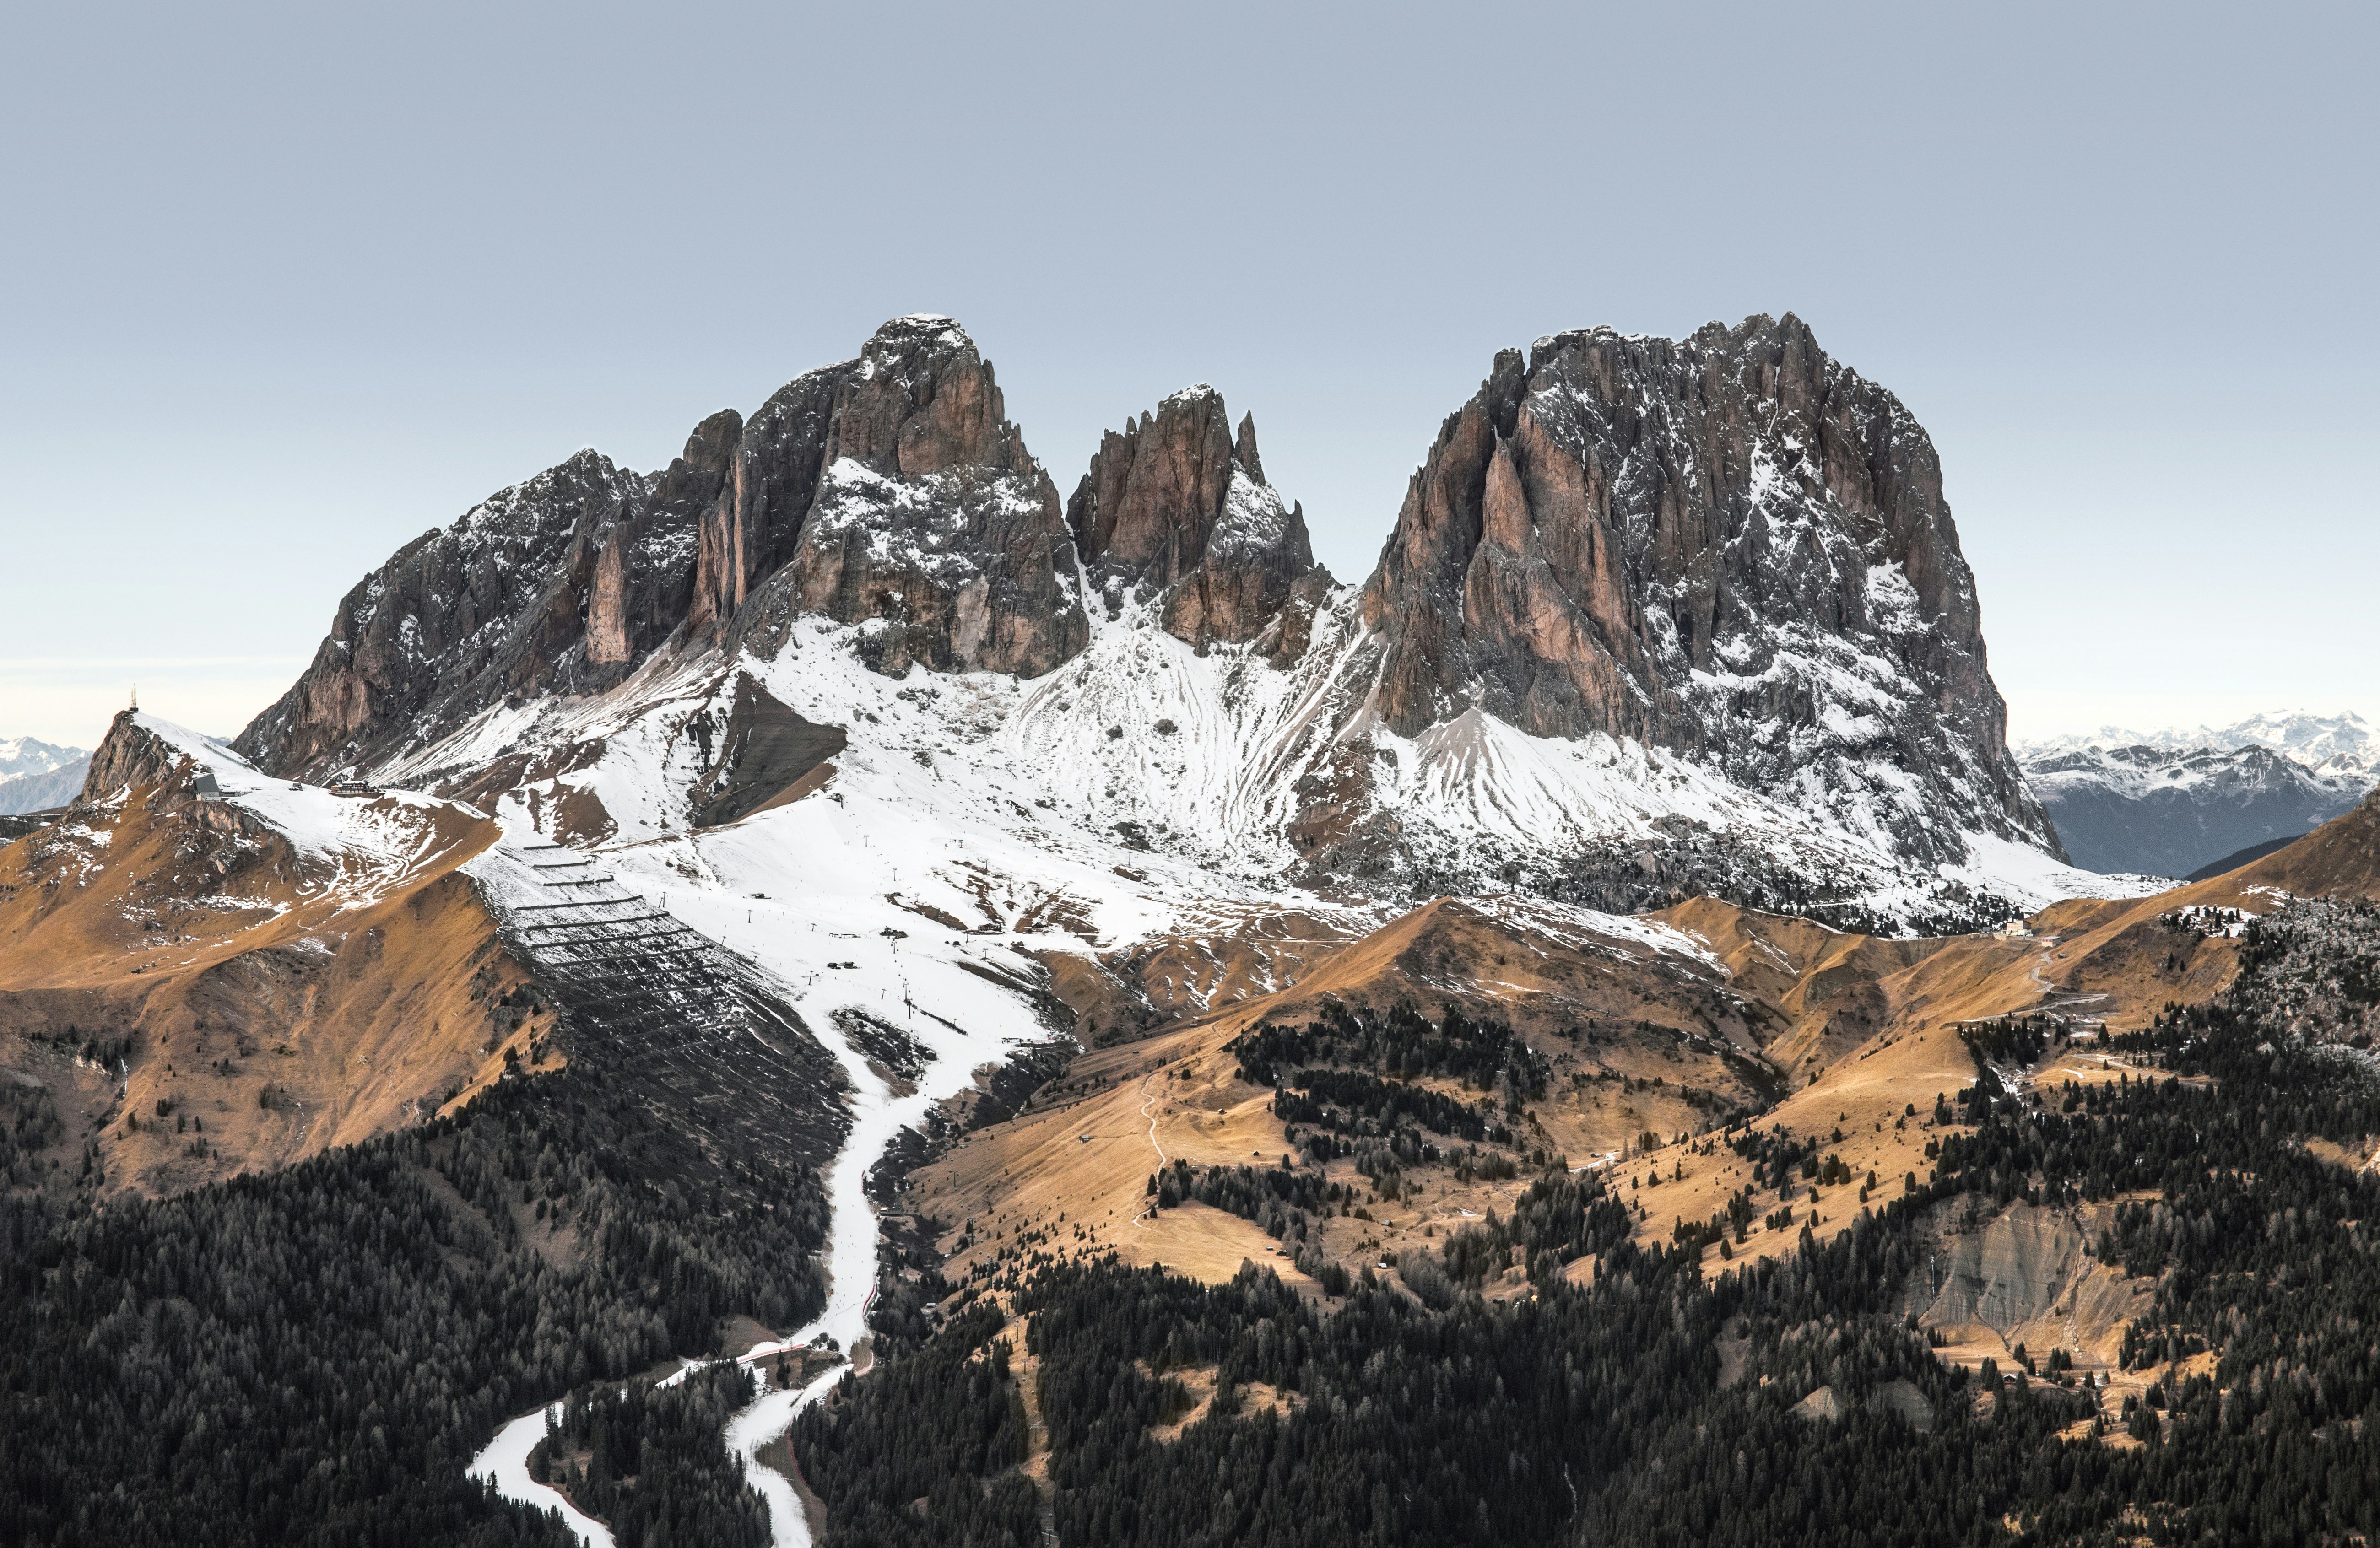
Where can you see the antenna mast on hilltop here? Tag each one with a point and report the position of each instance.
(135, 696)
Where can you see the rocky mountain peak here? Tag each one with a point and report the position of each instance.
(491, 608)
(1729, 546)
(1728, 552)
(127, 757)
(1175, 507)
(929, 519)
(922, 401)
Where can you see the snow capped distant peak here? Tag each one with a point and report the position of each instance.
(2340, 744)
(2176, 801)
(28, 755)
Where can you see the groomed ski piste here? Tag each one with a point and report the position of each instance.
(802, 894)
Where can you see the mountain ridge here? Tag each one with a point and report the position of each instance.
(2171, 802)
(1728, 552)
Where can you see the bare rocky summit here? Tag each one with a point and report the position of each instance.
(927, 516)
(1730, 546)
(889, 489)
(1175, 504)
(490, 609)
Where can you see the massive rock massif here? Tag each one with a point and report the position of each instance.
(1655, 618)
(891, 488)
(1732, 547)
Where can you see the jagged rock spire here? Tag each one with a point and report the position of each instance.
(1176, 507)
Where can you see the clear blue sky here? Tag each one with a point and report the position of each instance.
(283, 287)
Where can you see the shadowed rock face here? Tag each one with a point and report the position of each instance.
(1177, 506)
(930, 515)
(1729, 546)
(459, 619)
(763, 751)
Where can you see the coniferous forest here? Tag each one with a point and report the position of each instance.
(315, 1355)
(1602, 1414)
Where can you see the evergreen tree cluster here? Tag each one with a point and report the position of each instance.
(924, 1450)
(1402, 1046)
(2008, 1041)
(28, 1125)
(315, 1355)
(645, 1459)
(1597, 1415)
(1356, 1101)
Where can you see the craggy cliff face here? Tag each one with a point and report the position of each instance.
(892, 487)
(496, 606)
(1732, 547)
(931, 517)
(1175, 506)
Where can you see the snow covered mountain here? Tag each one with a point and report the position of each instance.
(2173, 800)
(2341, 744)
(36, 775)
(1656, 619)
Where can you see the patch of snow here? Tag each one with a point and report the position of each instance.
(362, 847)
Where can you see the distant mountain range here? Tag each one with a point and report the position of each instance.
(2170, 803)
(35, 775)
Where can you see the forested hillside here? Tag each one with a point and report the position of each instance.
(315, 1355)
(1787, 1401)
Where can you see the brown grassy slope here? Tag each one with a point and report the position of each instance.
(2120, 950)
(1122, 1112)
(1851, 1031)
(271, 1019)
(2117, 962)
(2342, 856)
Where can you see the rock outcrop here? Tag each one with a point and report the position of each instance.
(1731, 547)
(931, 519)
(764, 754)
(492, 607)
(1175, 506)
(889, 489)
